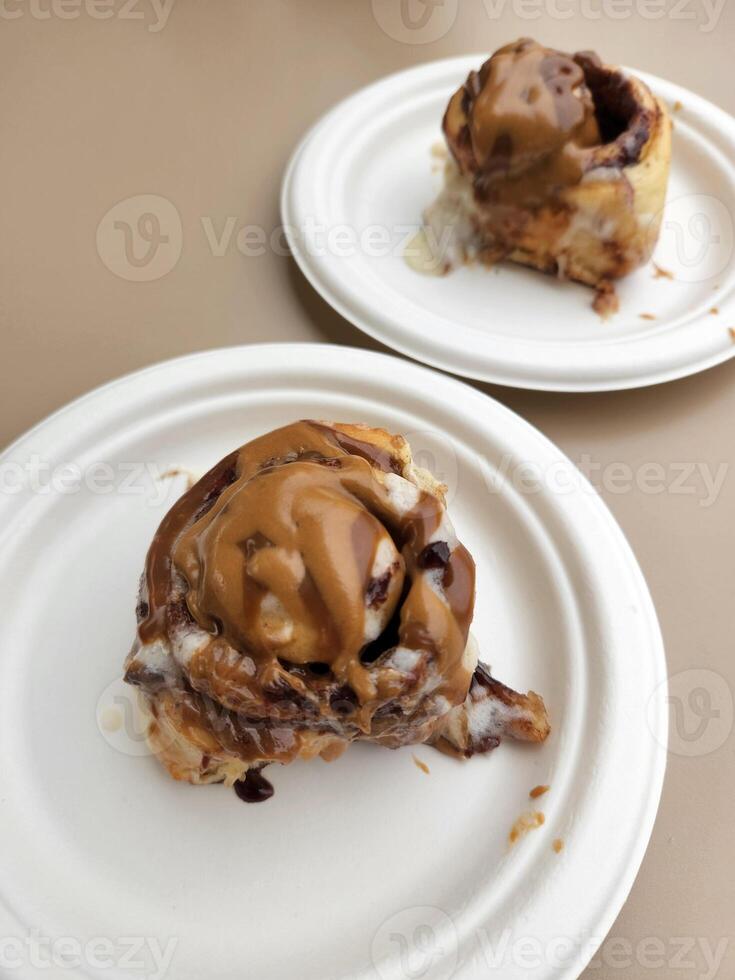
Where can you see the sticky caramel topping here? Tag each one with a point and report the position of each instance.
(302, 535)
(520, 123)
(297, 550)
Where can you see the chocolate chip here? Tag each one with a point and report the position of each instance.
(434, 555)
(219, 478)
(377, 590)
(343, 700)
(139, 675)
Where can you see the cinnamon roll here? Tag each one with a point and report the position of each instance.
(307, 592)
(558, 162)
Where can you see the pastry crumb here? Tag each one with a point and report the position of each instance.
(661, 273)
(715, 311)
(421, 765)
(732, 334)
(606, 302)
(678, 106)
(538, 791)
(558, 845)
(647, 316)
(175, 471)
(526, 822)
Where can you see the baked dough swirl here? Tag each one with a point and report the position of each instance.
(307, 592)
(558, 162)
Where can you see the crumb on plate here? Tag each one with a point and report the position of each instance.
(660, 273)
(538, 791)
(526, 822)
(606, 302)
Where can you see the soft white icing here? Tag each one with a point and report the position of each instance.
(188, 642)
(489, 716)
(385, 556)
(601, 174)
(157, 658)
(404, 659)
(274, 620)
(402, 494)
(448, 236)
(445, 532)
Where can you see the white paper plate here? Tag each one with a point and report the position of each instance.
(365, 867)
(368, 165)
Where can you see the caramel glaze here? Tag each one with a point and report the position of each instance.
(549, 152)
(533, 121)
(523, 121)
(270, 558)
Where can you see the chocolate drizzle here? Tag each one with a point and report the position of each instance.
(435, 555)
(253, 787)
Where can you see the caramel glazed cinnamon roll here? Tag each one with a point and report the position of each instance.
(558, 161)
(307, 592)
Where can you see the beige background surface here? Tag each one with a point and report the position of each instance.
(205, 111)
